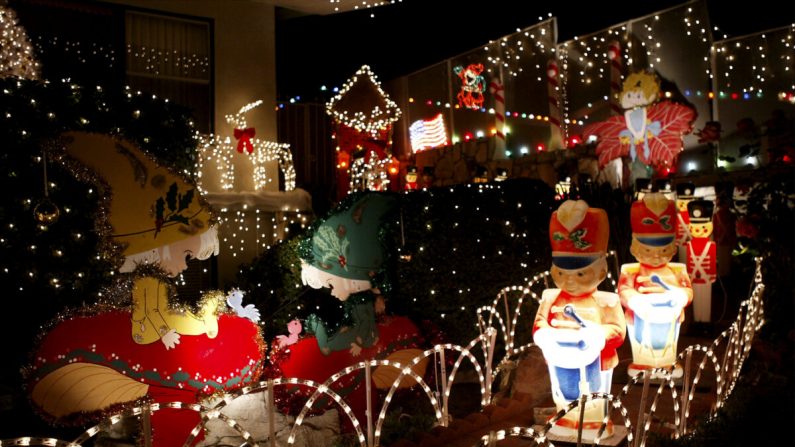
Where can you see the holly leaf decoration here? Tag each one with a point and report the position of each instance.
(558, 236)
(179, 218)
(171, 197)
(647, 221)
(576, 237)
(160, 208)
(665, 222)
(330, 245)
(185, 199)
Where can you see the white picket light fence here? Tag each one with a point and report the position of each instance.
(725, 356)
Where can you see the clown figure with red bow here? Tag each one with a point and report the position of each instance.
(578, 327)
(654, 291)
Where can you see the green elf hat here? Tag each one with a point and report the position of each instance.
(346, 244)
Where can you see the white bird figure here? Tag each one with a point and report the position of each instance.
(235, 301)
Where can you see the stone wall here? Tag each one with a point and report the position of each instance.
(458, 163)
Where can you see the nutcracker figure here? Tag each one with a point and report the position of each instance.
(411, 178)
(642, 187)
(701, 258)
(654, 291)
(663, 185)
(684, 194)
(577, 327)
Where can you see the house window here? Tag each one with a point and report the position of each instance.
(171, 57)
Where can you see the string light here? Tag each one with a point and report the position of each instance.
(748, 64)
(379, 117)
(738, 339)
(221, 151)
(16, 54)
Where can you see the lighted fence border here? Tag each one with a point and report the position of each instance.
(539, 437)
(738, 339)
(487, 314)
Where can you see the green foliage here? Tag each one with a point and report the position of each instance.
(773, 201)
(45, 269)
(456, 248)
(273, 282)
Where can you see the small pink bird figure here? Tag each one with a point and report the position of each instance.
(294, 328)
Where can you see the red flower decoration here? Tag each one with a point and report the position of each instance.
(747, 228)
(342, 261)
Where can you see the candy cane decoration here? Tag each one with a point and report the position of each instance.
(498, 90)
(553, 92)
(614, 55)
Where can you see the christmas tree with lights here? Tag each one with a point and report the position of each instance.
(16, 53)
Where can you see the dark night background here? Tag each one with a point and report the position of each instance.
(405, 37)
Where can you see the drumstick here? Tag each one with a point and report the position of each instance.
(655, 278)
(569, 311)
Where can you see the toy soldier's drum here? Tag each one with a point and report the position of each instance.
(656, 318)
(574, 364)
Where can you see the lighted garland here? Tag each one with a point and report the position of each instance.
(372, 115)
(747, 323)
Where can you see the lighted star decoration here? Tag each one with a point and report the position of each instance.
(221, 150)
(362, 104)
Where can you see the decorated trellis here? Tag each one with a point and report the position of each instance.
(363, 114)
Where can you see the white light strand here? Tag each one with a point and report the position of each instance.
(16, 54)
(221, 151)
(372, 121)
(736, 340)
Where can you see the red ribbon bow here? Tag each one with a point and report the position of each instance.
(243, 137)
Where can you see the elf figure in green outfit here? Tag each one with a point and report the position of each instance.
(345, 256)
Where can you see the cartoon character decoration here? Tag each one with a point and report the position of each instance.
(649, 133)
(344, 254)
(684, 194)
(701, 258)
(654, 291)
(473, 84)
(578, 327)
(100, 359)
(294, 328)
(411, 178)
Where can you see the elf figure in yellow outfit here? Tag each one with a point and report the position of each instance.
(106, 358)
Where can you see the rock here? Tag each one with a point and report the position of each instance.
(531, 377)
(250, 413)
(317, 431)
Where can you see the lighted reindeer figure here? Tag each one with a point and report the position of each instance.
(221, 150)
